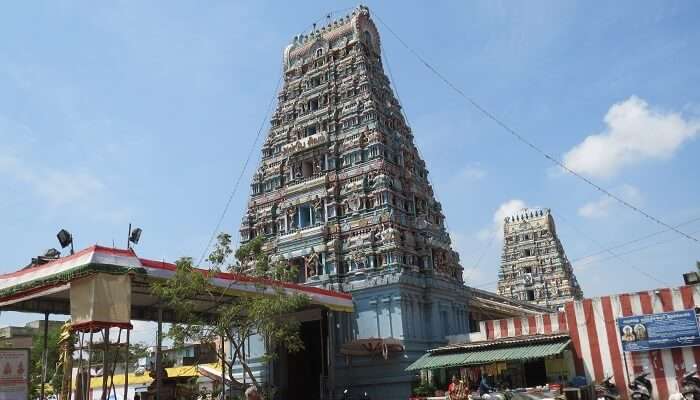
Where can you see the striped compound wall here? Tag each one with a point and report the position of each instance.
(592, 325)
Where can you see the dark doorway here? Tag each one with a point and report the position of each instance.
(535, 373)
(304, 367)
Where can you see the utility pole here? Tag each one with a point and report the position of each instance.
(45, 355)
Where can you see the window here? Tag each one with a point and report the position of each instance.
(527, 252)
(310, 130)
(529, 295)
(527, 270)
(313, 104)
(305, 216)
(319, 52)
(307, 168)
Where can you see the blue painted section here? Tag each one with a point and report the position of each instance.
(418, 309)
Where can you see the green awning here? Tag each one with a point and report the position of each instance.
(487, 356)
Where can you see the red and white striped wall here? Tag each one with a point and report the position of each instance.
(592, 325)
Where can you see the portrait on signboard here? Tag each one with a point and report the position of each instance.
(640, 331)
(628, 334)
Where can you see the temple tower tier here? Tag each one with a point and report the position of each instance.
(342, 193)
(341, 188)
(534, 267)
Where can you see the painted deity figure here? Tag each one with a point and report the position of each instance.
(311, 264)
(291, 217)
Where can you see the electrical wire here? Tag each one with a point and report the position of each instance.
(528, 143)
(489, 283)
(240, 176)
(614, 255)
(392, 82)
(639, 239)
(252, 149)
(637, 249)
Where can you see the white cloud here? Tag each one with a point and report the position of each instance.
(601, 207)
(506, 209)
(56, 187)
(634, 133)
(472, 172)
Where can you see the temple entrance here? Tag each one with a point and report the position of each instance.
(299, 374)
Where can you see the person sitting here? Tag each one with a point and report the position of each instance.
(484, 387)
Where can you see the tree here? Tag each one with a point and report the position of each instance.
(261, 314)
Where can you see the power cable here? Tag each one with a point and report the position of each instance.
(489, 283)
(528, 143)
(481, 257)
(614, 255)
(636, 249)
(639, 239)
(240, 176)
(252, 149)
(392, 82)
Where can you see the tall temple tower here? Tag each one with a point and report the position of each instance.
(534, 266)
(342, 193)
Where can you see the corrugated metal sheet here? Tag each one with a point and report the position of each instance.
(502, 342)
(479, 357)
(429, 361)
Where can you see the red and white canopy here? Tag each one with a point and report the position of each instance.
(45, 288)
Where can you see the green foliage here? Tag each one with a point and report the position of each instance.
(136, 351)
(263, 313)
(424, 390)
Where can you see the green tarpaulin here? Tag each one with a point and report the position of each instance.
(487, 356)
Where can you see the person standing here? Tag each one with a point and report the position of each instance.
(457, 390)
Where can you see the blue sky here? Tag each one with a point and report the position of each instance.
(143, 112)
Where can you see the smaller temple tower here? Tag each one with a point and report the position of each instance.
(534, 266)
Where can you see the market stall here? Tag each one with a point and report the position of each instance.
(517, 363)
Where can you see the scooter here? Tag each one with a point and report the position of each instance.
(607, 390)
(499, 393)
(690, 386)
(641, 387)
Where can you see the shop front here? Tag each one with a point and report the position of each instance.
(516, 363)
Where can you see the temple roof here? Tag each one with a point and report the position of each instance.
(45, 288)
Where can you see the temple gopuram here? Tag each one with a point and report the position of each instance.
(534, 267)
(342, 193)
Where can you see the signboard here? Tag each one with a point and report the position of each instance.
(659, 331)
(14, 374)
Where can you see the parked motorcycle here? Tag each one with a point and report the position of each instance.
(607, 390)
(641, 387)
(499, 393)
(690, 386)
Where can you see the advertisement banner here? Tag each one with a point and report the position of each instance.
(14, 374)
(659, 331)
